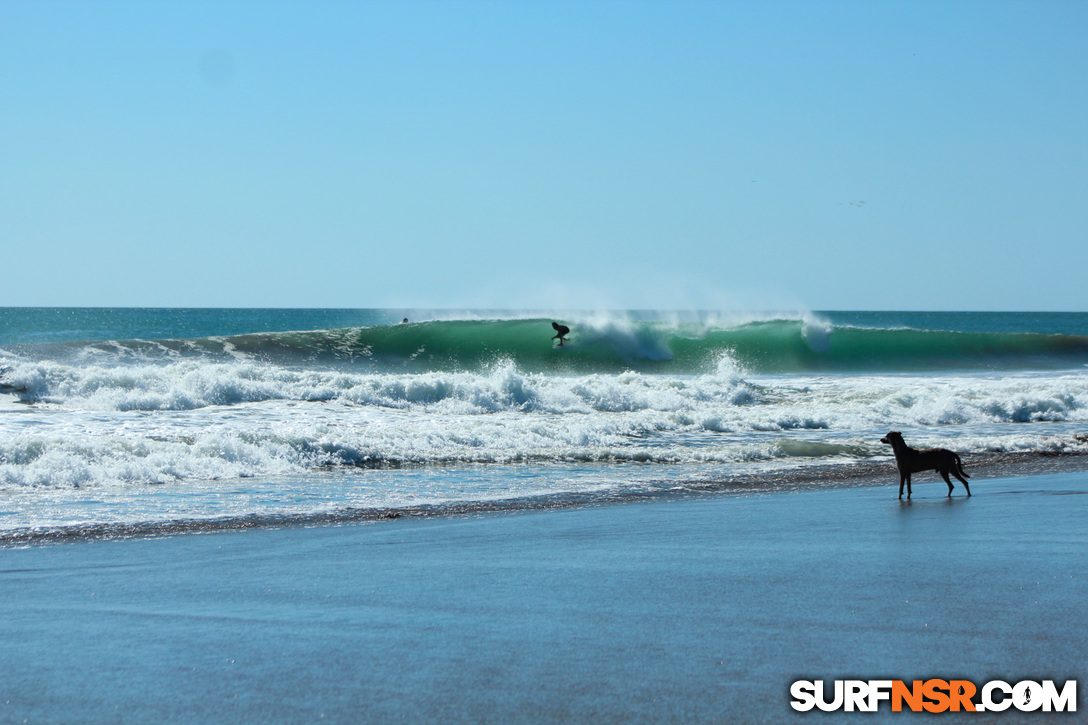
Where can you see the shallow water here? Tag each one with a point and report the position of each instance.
(689, 609)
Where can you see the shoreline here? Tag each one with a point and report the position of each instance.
(808, 478)
(686, 609)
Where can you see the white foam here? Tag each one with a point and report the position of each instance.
(134, 425)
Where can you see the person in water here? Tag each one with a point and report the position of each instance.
(563, 331)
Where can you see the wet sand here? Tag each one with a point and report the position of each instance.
(692, 609)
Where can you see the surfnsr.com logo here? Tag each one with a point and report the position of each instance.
(934, 695)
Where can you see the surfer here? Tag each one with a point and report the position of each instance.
(563, 331)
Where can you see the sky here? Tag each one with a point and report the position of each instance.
(743, 155)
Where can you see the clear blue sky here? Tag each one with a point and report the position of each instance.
(822, 155)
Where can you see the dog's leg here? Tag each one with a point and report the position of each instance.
(902, 480)
(962, 480)
(908, 486)
(944, 475)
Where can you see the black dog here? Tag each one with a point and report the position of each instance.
(909, 460)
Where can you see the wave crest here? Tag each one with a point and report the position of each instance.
(609, 345)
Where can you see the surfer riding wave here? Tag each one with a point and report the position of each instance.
(562, 331)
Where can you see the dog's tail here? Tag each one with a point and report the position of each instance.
(959, 466)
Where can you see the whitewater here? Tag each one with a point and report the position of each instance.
(121, 421)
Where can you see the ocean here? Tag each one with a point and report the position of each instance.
(122, 421)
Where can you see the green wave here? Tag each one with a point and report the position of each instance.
(774, 346)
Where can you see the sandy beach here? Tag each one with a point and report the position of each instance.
(688, 609)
